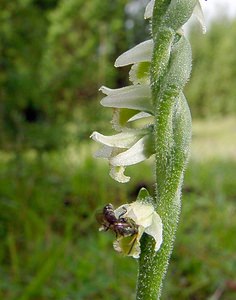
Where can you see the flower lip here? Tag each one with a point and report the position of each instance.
(117, 173)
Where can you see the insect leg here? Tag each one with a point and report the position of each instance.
(123, 213)
(132, 245)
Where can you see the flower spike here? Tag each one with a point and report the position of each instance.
(151, 117)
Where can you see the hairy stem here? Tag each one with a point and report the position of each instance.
(170, 70)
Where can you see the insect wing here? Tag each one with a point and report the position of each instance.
(102, 221)
(126, 245)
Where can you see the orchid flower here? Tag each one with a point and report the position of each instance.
(142, 212)
(124, 149)
(131, 145)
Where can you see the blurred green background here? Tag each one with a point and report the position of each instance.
(54, 55)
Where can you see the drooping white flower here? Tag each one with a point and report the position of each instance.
(132, 115)
(125, 149)
(142, 212)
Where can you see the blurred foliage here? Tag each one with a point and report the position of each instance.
(54, 54)
(80, 43)
(28, 118)
(211, 90)
(51, 248)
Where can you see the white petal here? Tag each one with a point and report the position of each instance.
(200, 16)
(155, 230)
(120, 140)
(134, 97)
(132, 156)
(139, 53)
(149, 9)
(139, 116)
(117, 173)
(141, 213)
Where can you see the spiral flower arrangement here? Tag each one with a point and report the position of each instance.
(160, 68)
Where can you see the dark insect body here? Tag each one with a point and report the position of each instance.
(122, 226)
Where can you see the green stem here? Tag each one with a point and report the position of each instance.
(153, 265)
(170, 69)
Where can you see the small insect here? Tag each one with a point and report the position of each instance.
(122, 226)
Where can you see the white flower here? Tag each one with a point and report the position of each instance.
(142, 212)
(132, 107)
(124, 149)
(131, 145)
